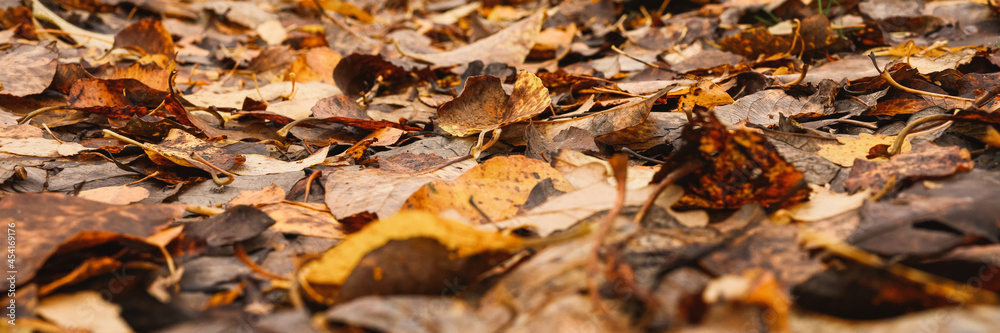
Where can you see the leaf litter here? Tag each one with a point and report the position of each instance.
(638, 166)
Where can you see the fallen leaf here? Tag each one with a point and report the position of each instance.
(484, 106)
(706, 94)
(45, 221)
(115, 195)
(28, 69)
(509, 46)
(498, 188)
(460, 239)
(84, 310)
(184, 149)
(931, 217)
(349, 192)
(738, 167)
(258, 165)
(236, 224)
(824, 203)
(600, 123)
(148, 35)
(40, 147)
(849, 149)
(925, 161)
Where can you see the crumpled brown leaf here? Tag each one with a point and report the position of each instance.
(484, 106)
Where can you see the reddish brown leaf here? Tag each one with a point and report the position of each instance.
(147, 35)
(924, 161)
(739, 167)
(43, 222)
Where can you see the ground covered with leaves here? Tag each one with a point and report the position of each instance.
(544, 166)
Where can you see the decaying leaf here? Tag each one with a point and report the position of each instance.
(737, 168)
(84, 310)
(257, 165)
(932, 216)
(600, 123)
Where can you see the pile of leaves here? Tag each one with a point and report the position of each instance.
(576, 165)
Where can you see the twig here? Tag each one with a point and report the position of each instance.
(858, 123)
(242, 255)
(619, 51)
(483, 214)
(932, 284)
(888, 78)
(54, 137)
(904, 134)
(39, 111)
(670, 178)
(889, 185)
(619, 166)
(309, 181)
(802, 76)
(215, 177)
(644, 158)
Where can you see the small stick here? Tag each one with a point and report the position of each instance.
(888, 78)
(215, 177)
(644, 158)
(889, 184)
(309, 181)
(154, 174)
(242, 255)
(619, 51)
(858, 123)
(619, 166)
(54, 137)
(897, 145)
(802, 76)
(483, 214)
(32, 114)
(671, 177)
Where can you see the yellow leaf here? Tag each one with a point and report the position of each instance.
(464, 240)
(850, 148)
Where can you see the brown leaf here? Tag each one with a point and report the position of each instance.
(148, 35)
(237, 224)
(924, 220)
(43, 222)
(924, 161)
(356, 73)
(599, 123)
(484, 106)
(339, 106)
(509, 46)
(28, 69)
(765, 108)
(181, 148)
(374, 190)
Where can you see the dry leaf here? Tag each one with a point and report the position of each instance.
(462, 240)
(850, 149)
(498, 188)
(484, 106)
(509, 46)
